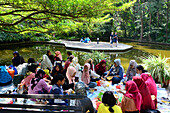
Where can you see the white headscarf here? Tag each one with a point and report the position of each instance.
(46, 63)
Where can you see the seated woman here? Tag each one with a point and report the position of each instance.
(58, 56)
(151, 85)
(50, 56)
(86, 103)
(131, 71)
(57, 83)
(132, 99)
(70, 74)
(108, 104)
(101, 68)
(86, 74)
(67, 63)
(90, 61)
(38, 84)
(87, 40)
(140, 70)
(58, 68)
(17, 59)
(26, 81)
(46, 63)
(77, 66)
(146, 95)
(116, 71)
(82, 39)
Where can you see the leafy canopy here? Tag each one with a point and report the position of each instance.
(46, 16)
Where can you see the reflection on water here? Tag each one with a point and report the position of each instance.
(36, 52)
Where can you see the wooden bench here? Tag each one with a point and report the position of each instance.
(39, 108)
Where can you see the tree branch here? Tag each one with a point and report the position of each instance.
(17, 22)
(12, 12)
(22, 31)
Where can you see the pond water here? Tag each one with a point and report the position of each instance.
(37, 50)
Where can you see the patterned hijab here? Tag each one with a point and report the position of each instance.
(80, 89)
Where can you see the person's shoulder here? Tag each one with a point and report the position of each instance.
(117, 109)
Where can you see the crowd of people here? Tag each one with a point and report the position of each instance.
(141, 90)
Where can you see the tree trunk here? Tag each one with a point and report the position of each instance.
(141, 19)
(150, 20)
(167, 20)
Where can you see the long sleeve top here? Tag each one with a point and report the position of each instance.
(92, 74)
(39, 87)
(119, 73)
(57, 90)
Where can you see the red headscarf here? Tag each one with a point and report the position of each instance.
(144, 91)
(99, 66)
(151, 84)
(133, 92)
(85, 76)
(58, 54)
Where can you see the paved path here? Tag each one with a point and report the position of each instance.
(102, 46)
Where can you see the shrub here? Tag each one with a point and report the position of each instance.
(158, 67)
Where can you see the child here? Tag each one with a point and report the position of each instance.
(57, 83)
(108, 104)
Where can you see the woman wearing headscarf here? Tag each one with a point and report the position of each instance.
(68, 62)
(108, 104)
(132, 99)
(86, 103)
(90, 61)
(46, 63)
(50, 56)
(146, 95)
(58, 56)
(151, 85)
(17, 59)
(101, 68)
(116, 71)
(131, 71)
(38, 84)
(70, 74)
(86, 74)
(76, 65)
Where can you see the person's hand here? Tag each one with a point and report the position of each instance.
(119, 91)
(103, 79)
(105, 76)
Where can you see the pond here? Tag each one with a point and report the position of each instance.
(37, 50)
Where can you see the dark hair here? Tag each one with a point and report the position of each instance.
(71, 58)
(57, 78)
(69, 53)
(140, 67)
(48, 51)
(40, 74)
(31, 60)
(109, 100)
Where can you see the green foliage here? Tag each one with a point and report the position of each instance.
(158, 67)
(57, 16)
(96, 56)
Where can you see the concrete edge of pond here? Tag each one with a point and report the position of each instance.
(76, 45)
(102, 46)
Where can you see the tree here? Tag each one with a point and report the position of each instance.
(45, 16)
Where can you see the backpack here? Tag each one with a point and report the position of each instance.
(5, 78)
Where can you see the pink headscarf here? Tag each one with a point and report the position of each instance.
(58, 54)
(85, 76)
(133, 92)
(144, 91)
(151, 84)
(70, 71)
